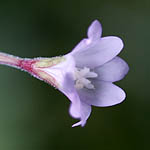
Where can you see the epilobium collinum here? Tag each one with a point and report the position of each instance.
(85, 75)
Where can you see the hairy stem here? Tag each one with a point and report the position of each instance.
(33, 66)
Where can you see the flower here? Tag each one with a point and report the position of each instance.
(87, 73)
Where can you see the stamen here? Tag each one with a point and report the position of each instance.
(81, 76)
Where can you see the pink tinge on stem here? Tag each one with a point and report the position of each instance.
(26, 65)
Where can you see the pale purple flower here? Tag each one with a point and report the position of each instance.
(85, 75)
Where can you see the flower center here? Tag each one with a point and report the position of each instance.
(82, 78)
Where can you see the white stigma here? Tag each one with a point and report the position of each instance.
(81, 76)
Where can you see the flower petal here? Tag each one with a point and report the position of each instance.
(99, 52)
(95, 30)
(78, 109)
(85, 111)
(113, 70)
(104, 94)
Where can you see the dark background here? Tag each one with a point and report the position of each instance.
(33, 115)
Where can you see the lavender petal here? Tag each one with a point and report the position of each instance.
(95, 30)
(99, 52)
(113, 70)
(104, 94)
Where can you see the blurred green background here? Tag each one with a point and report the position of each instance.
(33, 115)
